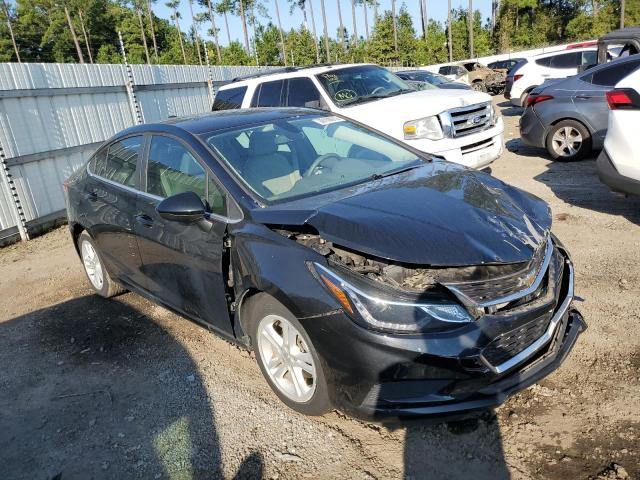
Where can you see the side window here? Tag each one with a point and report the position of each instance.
(99, 162)
(544, 62)
(229, 99)
(121, 161)
(302, 93)
(612, 74)
(566, 60)
(589, 58)
(269, 94)
(444, 70)
(172, 169)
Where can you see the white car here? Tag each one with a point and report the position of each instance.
(619, 161)
(534, 71)
(459, 125)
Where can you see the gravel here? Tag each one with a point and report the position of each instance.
(122, 388)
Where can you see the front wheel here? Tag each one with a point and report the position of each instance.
(568, 140)
(286, 356)
(479, 86)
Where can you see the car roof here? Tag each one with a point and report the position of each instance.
(572, 50)
(288, 72)
(221, 120)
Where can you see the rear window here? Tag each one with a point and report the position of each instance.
(229, 99)
(544, 62)
(612, 74)
(566, 60)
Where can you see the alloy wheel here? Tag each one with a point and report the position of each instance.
(566, 141)
(287, 358)
(92, 265)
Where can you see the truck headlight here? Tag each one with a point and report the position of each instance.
(374, 308)
(428, 127)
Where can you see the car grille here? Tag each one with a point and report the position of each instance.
(515, 341)
(462, 121)
(484, 293)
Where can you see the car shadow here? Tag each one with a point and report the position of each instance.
(578, 184)
(515, 145)
(94, 388)
(509, 110)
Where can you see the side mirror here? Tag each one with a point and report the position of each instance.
(184, 207)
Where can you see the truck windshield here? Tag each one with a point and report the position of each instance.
(348, 86)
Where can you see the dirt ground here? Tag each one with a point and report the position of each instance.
(94, 388)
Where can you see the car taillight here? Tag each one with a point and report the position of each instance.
(533, 99)
(623, 99)
(517, 77)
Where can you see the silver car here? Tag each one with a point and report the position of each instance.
(569, 117)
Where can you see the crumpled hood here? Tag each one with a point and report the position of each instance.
(440, 215)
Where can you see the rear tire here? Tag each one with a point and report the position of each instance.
(479, 86)
(286, 356)
(568, 141)
(95, 269)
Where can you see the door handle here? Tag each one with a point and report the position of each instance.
(144, 220)
(91, 196)
(584, 97)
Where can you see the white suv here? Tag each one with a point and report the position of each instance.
(619, 161)
(459, 125)
(536, 70)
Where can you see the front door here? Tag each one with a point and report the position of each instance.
(182, 263)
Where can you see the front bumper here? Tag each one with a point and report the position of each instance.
(532, 130)
(477, 151)
(611, 177)
(386, 377)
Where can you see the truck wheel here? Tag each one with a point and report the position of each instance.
(479, 86)
(286, 356)
(568, 140)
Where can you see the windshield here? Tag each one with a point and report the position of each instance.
(434, 78)
(348, 86)
(303, 155)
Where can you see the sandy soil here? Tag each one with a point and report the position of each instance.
(94, 388)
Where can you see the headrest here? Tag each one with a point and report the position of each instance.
(262, 143)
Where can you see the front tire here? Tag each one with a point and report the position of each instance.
(94, 268)
(568, 141)
(286, 356)
(479, 86)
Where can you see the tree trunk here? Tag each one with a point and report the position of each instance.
(194, 29)
(470, 27)
(395, 25)
(153, 31)
(375, 12)
(353, 19)
(366, 20)
(244, 28)
(341, 24)
(326, 32)
(175, 16)
(621, 13)
(10, 27)
(86, 37)
(73, 35)
(215, 31)
(449, 33)
(313, 27)
(426, 21)
(424, 26)
(226, 23)
(284, 48)
(144, 37)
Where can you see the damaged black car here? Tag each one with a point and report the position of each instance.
(366, 276)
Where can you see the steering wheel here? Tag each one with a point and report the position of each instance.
(378, 89)
(318, 162)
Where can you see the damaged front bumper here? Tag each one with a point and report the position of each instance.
(384, 377)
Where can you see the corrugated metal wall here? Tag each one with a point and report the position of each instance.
(53, 116)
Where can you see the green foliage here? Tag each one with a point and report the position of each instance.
(43, 34)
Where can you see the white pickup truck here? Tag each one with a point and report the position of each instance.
(459, 125)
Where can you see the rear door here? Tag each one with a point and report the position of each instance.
(183, 263)
(110, 196)
(590, 99)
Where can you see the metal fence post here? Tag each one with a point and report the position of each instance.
(209, 76)
(18, 212)
(133, 101)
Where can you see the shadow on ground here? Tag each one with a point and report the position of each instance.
(96, 389)
(509, 110)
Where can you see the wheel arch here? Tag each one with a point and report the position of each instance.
(563, 118)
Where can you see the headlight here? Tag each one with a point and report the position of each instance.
(379, 310)
(428, 128)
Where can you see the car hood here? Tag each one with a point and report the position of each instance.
(390, 114)
(440, 214)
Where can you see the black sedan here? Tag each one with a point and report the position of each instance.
(364, 275)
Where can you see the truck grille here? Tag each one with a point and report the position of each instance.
(462, 121)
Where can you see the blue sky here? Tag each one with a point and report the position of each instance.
(437, 10)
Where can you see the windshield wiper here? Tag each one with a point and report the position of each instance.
(378, 176)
